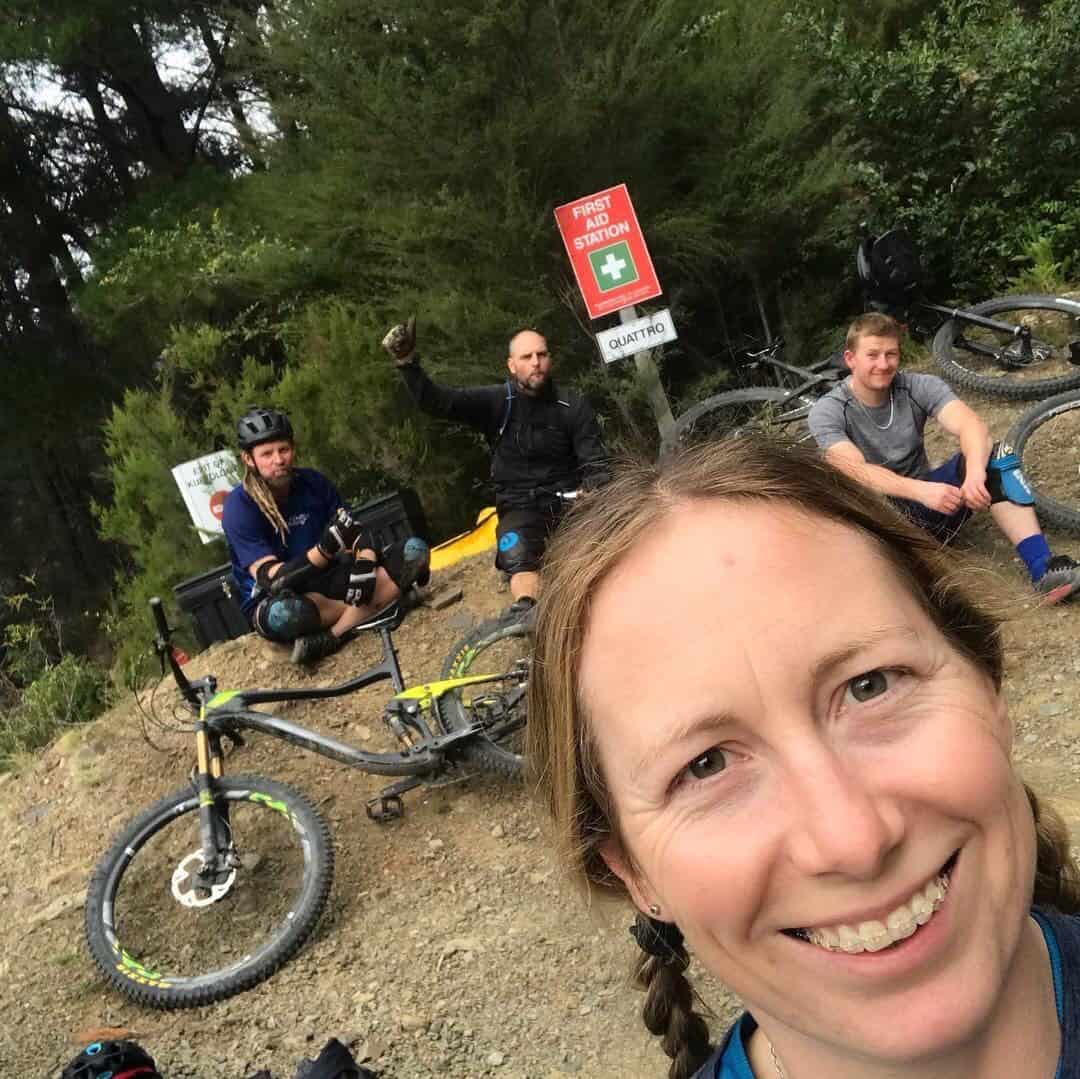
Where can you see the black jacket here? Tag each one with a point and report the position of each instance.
(539, 445)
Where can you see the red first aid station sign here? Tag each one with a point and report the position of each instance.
(607, 251)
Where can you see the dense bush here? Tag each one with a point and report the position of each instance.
(966, 132)
(43, 688)
(68, 692)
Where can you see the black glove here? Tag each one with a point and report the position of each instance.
(290, 577)
(400, 342)
(361, 586)
(340, 534)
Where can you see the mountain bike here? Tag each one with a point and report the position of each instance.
(1046, 438)
(1021, 348)
(212, 889)
(780, 409)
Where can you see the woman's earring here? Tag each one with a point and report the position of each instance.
(654, 910)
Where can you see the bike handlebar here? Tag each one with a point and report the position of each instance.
(158, 612)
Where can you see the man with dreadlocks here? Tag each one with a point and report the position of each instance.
(307, 573)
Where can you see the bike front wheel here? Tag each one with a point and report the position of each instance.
(738, 412)
(997, 363)
(167, 935)
(1047, 441)
(502, 647)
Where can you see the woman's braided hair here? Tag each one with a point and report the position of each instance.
(668, 1011)
(599, 532)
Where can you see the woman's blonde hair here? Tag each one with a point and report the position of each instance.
(561, 750)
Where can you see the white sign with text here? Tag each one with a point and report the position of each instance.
(629, 337)
(204, 483)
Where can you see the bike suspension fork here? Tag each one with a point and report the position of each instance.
(213, 821)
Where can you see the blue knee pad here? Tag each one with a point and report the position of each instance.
(1003, 473)
(284, 618)
(407, 562)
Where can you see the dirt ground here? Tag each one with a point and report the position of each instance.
(451, 944)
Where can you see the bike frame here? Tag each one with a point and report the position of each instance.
(231, 710)
(818, 373)
(228, 711)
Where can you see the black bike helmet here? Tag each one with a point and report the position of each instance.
(112, 1060)
(259, 425)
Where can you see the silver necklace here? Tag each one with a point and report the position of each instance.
(892, 411)
(780, 1073)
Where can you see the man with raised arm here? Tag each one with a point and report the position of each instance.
(871, 427)
(544, 442)
(307, 573)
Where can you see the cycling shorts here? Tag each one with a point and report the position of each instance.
(521, 537)
(945, 525)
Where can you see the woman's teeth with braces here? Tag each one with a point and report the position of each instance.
(898, 925)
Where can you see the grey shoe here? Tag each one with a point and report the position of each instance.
(1060, 581)
(312, 647)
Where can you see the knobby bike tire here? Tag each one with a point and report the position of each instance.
(133, 897)
(493, 647)
(738, 412)
(1051, 331)
(1050, 510)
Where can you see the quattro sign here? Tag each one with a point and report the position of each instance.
(630, 337)
(607, 251)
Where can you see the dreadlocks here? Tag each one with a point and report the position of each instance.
(263, 497)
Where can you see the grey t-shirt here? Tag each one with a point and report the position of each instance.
(891, 434)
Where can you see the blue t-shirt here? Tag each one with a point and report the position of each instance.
(312, 499)
(1062, 935)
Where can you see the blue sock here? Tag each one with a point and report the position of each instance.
(1035, 552)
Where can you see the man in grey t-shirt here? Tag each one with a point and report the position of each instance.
(871, 427)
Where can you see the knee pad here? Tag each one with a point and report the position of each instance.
(1005, 481)
(284, 618)
(407, 562)
(518, 553)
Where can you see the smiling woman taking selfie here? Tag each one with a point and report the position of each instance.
(767, 712)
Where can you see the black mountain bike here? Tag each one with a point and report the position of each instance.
(1021, 348)
(212, 889)
(1046, 438)
(780, 409)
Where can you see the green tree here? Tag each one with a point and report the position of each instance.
(967, 131)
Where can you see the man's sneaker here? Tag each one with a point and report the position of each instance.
(1060, 581)
(312, 647)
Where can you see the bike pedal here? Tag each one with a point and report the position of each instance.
(385, 808)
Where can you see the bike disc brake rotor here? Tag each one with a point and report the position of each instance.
(189, 890)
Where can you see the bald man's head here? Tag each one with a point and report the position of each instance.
(529, 361)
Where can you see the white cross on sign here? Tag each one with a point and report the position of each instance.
(613, 266)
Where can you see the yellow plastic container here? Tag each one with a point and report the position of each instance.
(481, 538)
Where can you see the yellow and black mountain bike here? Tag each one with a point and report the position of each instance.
(216, 886)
